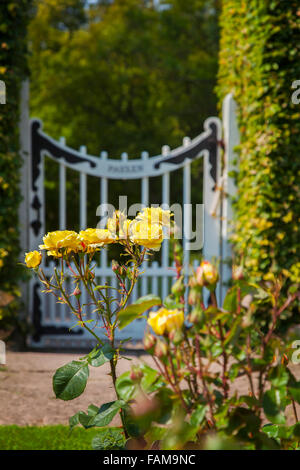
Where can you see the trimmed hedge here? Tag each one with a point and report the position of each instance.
(258, 61)
(14, 18)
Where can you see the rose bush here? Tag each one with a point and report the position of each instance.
(191, 399)
(75, 257)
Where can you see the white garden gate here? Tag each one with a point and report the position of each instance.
(52, 323)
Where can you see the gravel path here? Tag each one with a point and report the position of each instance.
(26, 396)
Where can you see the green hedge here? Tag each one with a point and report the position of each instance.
(14, 17)
(259, 60)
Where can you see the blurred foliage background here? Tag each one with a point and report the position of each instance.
(122, 76)
(259, 60)
(133, 75)
(14, 18)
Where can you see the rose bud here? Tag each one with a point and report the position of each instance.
(197, 316)
(115, 265)
(136, 374)
(237, 273)
(207, 275)
(176, 336)
(149, 341)
(178, 288)
(33, 259)
(161, 349)
(129, 274)
(193, 281)
(77, 292)
(194, 296)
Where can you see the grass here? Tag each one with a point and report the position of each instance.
(46, 438)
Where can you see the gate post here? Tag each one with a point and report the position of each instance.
(211, 179)
(231, 140)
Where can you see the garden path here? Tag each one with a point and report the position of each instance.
(26, 396)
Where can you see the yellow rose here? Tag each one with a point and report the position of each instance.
(206, 274)
(164, 320)
(96, 237)
(143, 233)
(54, 253)
(155, 215)
(53, 241)
(124, 229)
(118, 225)
(33, 259)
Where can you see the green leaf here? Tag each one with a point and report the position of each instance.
(171, 303)
(106, 413)
(272, 404)
(294, 390)
(234, 334)
(271, 430)
(230, 301)
(155, 433)
(74, 420)
(100, 356)
(278, 376)
(82, 418)
(198, 415)
(150, 382)
(98, 417)
(109, 439)
(125, 386)
(176, 438)
(133, 311)
(69, 381)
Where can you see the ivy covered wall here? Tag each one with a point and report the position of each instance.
(14, 16)
(258, 62)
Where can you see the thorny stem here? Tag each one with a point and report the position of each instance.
(224, 354)
(276, 315)
(191, 353)
(113, 364)
(249, 369)
(74, 310)
(174, 385)
(295, 410)
(176, 381)
(201, 376)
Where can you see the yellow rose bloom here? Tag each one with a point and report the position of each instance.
(124, 229)
(118, 225)
(53, 241)
(155, 215)
(33, 259)
(96, 237)
(54, 253)
(148, 235)
(164, 320)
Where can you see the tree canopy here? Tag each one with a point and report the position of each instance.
(126, 75)
(122, 76)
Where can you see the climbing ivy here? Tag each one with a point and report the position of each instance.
(14, 17)
(258, 62)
